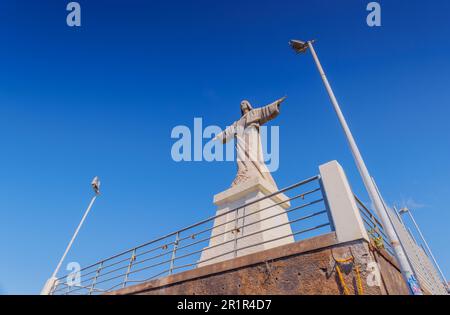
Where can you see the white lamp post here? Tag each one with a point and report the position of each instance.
(302, 47)
(50, 284)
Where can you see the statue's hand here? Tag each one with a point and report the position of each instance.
(281, 100)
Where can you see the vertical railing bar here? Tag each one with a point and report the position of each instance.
(174, 250)
(97, 273)
(130, 264)
(68, 288)
(236, 229)
(243, 220)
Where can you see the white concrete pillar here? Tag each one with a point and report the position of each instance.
(344, 211)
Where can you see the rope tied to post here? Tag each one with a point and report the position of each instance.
(356, 269)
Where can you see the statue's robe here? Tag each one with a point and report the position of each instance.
(247, 137)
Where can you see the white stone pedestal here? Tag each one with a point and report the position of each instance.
(234, 234)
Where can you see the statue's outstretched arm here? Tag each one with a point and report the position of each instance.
(227, 134)
(270, 111)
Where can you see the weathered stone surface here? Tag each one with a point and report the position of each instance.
(393, 282)
(305, 267)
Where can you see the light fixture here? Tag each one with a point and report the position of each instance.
(299, 46)
(96, 185)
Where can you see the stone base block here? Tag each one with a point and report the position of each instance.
(252, 226)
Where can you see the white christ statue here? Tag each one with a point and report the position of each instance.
(247, 137)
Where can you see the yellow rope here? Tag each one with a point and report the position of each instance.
(343, 261)
(341, 277)
(358, 281)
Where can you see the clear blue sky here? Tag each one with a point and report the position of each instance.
(102, 100)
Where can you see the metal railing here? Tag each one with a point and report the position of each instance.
(307, 216)
(424, 270)
(374, 227)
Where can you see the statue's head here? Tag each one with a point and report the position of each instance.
(245, 107)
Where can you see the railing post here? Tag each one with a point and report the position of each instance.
(344, 212)
(94, 281)
(235, 232)
(130, 264)
(174, 250)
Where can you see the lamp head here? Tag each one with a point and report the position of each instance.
(403, 210)
(298, 46)
(96, 185)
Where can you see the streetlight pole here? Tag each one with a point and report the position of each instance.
(406, 210)
(301, 47)
(51, 282)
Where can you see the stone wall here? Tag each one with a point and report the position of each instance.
(305, 267)
(393, 282)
